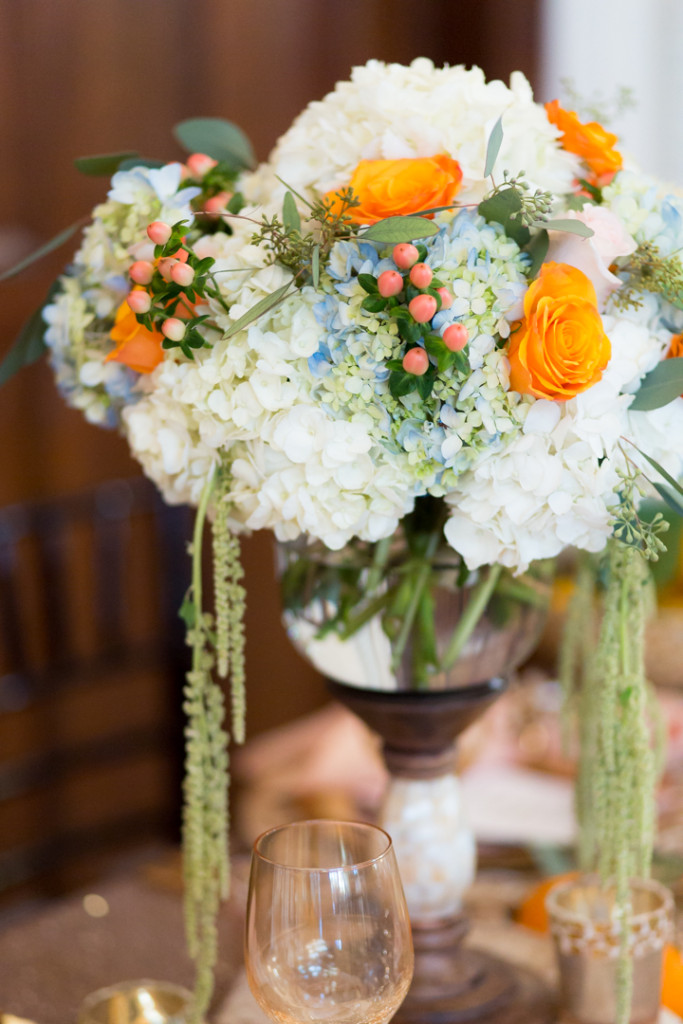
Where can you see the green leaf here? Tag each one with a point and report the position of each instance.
(593, 190)
(538, 250)
(660, 386)
(374, 304)
(410, 331)
(236, 203)
(103, 164)
(399, 229)
(290, 215)
(669, 497)
(425, 383)
(50, 246)
(368, 283)
(219, 139)
(500, 208)
(264, 306)
(436, 348)
(140, 161)
(315, 265)
(662, 472)
(401, 383)
(462, 363)
(493, 147)
(29, 345)
(188, 612)
(571, 227)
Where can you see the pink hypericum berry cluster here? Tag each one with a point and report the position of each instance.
(169, 284)
(425, 297)
(213, 203)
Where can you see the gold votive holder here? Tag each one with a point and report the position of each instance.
(137, 1002)
(587, 934)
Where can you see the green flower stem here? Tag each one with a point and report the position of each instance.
(379, 562)
(354, 623)
(424, 650)
(525, 593)
(419, 581)
(197, 537)
(473, 611)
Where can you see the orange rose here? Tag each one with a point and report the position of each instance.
(675, 347)
(560, 348)
(137, 347)
(589, 141)
(391, 188)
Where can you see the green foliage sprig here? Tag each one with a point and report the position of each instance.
(629, 527)
(299, 250)
(648, 270)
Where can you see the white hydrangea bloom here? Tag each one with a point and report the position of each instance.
(388, 111)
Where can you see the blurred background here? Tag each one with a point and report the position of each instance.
(91, 654)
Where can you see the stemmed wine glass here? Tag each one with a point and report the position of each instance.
(327, 936)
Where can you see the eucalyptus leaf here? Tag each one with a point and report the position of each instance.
(218, 138)
(290, 215)
(140, 161)
(660, 386)
(672, 501)
(264, 306)
(236, 203)
(38, 254)
(493, 147)
(29, 345)
(500, 209)
(662, 472)
(399, 229)
(103, 164)
(568, 225)
(538, 250)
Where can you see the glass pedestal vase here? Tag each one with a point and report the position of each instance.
(419, 715)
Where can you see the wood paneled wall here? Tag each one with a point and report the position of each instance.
(87, 76)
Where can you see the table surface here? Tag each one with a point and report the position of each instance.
(52, 956)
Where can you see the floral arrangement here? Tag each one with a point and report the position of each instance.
(436, 294)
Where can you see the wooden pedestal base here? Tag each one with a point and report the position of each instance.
(474, 986)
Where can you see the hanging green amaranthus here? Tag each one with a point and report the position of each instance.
(606, 686)
(220, 645)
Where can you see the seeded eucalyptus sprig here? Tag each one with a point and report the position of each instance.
(648, 270)
(303, 251)
(530, 208)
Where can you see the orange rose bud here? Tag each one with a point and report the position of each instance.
(393, 188)
(589, 141)
(560, 348)
(136, 347)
